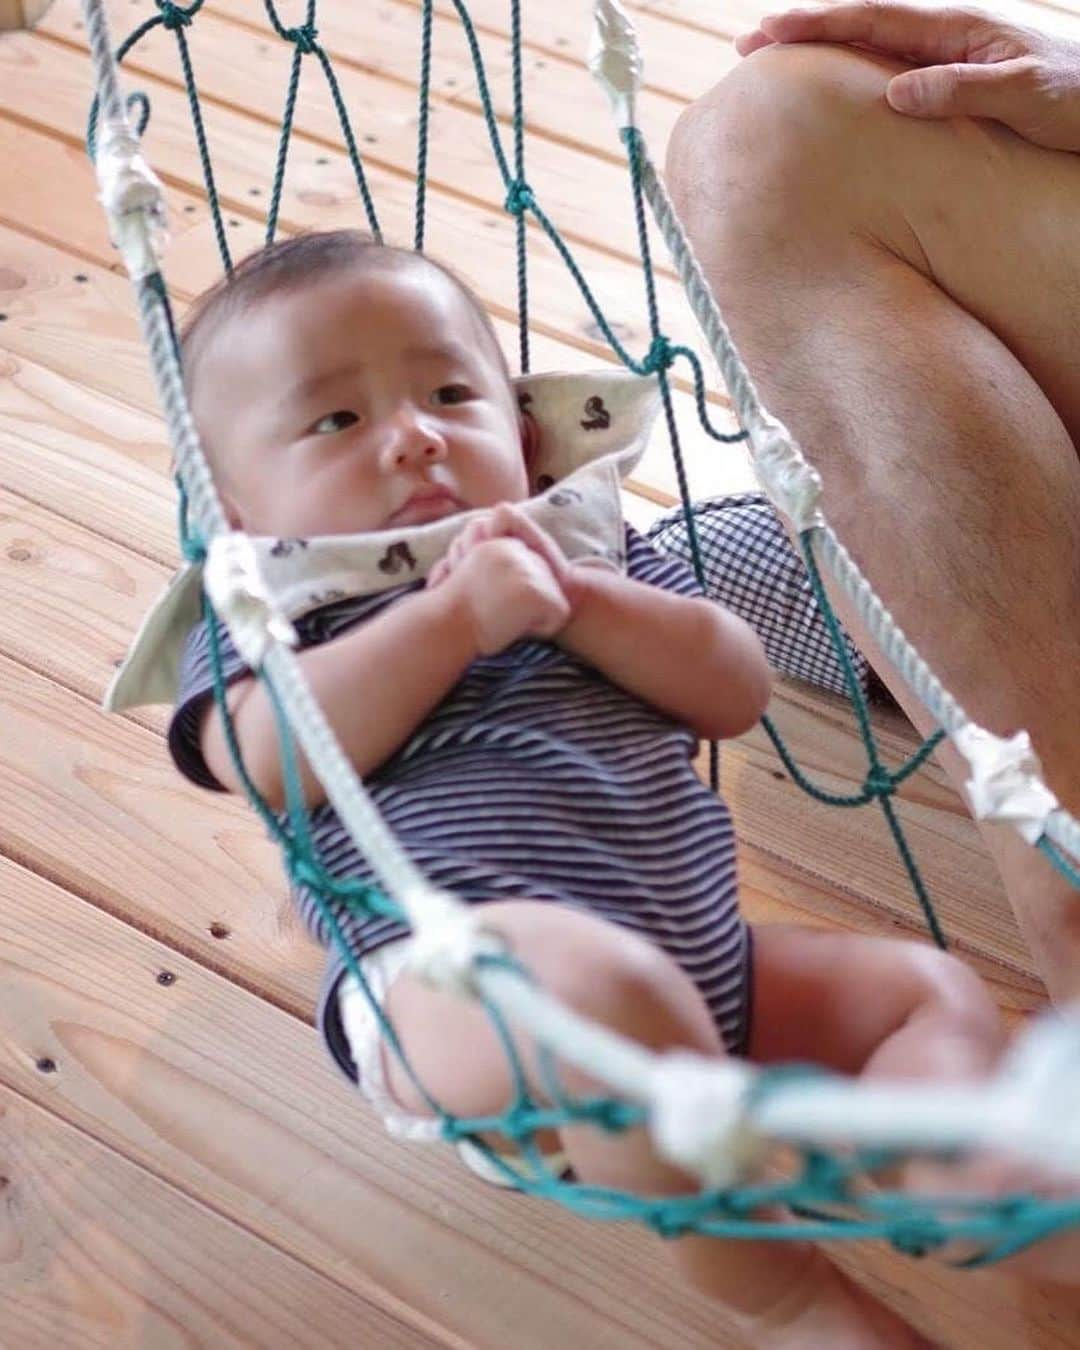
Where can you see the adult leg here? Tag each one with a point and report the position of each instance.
(904, 294)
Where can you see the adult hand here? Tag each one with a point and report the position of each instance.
(974, 64)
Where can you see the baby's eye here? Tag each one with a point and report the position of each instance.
(335, 421)
(449, 394)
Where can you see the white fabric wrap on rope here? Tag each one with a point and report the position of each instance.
(1006, 780)
(446, 941)
(1033, 1104)
(793, 484)
(241, 596)
(697, 1117)
(615, 59)
(133, 199)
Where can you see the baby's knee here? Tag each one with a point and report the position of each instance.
(604, 973)
(949, 986)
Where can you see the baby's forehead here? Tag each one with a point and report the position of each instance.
(419, 305)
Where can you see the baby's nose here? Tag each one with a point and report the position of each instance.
(413, 441)
(417, 451)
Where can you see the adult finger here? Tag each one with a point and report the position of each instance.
(920, 35)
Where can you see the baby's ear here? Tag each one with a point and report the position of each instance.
(530, 439)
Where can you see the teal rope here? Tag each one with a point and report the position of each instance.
(878, 777)
(303, 39)
(873, 788)
(912, 1224)
(422, 126)
(660, 352)
(181, 18)
(520, 184)
(350, 145)
(1058, 860)
(175, 18)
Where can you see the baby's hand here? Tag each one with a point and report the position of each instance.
(505, 591)
(505, 521)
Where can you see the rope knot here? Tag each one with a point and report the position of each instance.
(609, 1114)
(173, 16)
(879, 783)
(306, 873)
(304, 38)
(917, 1235)
(519, 198)
(669, 1225)
(660, 355)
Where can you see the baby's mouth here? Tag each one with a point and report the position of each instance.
(425, 506)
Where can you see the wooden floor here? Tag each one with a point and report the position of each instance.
(179, 1162)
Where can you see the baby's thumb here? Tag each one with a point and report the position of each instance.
(956, 90)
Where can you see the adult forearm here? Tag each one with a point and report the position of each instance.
(694, 659)
(375, 683)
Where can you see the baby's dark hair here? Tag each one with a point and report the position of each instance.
(294, 262)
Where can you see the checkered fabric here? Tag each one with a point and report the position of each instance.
(752, 567)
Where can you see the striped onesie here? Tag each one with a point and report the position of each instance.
(536, 778)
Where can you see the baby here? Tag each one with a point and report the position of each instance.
(527, 725)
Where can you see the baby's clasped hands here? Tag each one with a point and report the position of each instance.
(510, 578)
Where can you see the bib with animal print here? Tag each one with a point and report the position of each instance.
(593, 429)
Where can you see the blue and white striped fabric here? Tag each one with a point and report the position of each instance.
(535, 777)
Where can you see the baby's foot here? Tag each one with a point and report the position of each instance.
(833, 1312)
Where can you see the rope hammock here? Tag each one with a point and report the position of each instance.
(713, 1119)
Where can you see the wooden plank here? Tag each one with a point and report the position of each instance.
(32, 275)
(54, 432)
(227, 1100)
(324, 196)
(232, 1102)
(131, 1262)
(561, 103)
(856, 852)
(21, 13)
(587, 197)
(672, 65)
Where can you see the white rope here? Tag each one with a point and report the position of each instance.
(700, 1112)
(794, 487)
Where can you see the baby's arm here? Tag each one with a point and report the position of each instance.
(376, 683)
(692, 658)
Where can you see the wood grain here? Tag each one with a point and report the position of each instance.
(195, 1168)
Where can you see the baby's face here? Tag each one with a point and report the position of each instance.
(366, 401)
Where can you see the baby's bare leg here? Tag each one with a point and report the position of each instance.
(888, 1009)
(780, 1294)
(879, 1007)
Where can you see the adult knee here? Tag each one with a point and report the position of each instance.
(791, 134)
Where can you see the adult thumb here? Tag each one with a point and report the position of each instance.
(955, 90)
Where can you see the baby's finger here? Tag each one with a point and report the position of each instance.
(921, 36)
(514, 521)
(438, 574)
(473, 533)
